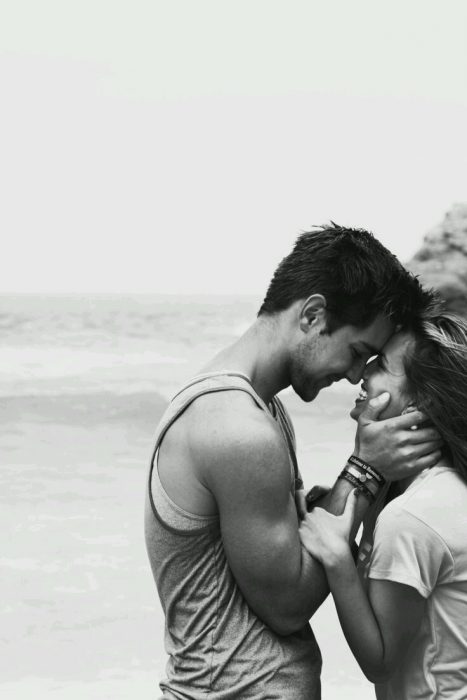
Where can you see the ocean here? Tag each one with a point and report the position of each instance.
(83, 382)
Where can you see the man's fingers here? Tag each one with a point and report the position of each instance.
(424, 448)
(424, 435)
(427, 461)
(407, 421)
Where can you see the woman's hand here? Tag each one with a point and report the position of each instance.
(326, 536)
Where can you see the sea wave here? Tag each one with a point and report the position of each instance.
(54, 343)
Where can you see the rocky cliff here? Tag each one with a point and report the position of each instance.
(441, 261)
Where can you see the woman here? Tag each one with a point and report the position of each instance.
(405, 615)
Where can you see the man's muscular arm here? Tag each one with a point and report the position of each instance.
(248, 472)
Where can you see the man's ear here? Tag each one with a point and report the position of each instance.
(313, 312)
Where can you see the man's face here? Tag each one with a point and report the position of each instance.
(319, 359)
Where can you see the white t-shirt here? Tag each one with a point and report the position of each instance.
(420, 540)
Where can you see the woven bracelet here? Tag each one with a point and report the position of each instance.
(360, 487)
(363, 478)
(357, 462)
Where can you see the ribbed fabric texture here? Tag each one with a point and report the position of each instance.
(218, 648)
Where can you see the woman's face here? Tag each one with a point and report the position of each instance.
(386, 373)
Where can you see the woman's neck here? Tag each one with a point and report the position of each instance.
(403, 484)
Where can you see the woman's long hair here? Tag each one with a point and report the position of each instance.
(436, 371)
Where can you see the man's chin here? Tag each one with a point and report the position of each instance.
(314, 390)
(307, 394)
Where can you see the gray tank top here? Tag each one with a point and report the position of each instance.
(218, 648)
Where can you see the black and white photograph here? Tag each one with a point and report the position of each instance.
(233, 356)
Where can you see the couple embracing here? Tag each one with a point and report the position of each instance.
(242, 558)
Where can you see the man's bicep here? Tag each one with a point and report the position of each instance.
(258, 539)
(259, 524)
(264, 554)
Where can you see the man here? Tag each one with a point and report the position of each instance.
(236, 587)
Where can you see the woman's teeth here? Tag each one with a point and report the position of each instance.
(362, 395)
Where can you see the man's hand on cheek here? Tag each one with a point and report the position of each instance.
(397, 447)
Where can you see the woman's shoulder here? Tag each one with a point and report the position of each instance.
(439, 486)
(436, 502)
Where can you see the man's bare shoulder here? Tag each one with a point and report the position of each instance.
(223, 416)
(228, 430)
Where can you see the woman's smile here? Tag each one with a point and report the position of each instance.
(362, 396)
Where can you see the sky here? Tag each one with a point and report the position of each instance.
(180, 146)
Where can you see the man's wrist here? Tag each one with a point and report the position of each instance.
(374, 460)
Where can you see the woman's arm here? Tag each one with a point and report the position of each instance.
(378, 627)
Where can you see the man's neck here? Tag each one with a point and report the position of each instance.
(258, 353)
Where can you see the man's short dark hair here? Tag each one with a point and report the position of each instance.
(356, 274)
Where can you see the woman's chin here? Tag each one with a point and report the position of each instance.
(357, 410)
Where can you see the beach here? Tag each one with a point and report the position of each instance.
(83, 383)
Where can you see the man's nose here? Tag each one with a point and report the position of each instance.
(354, 375)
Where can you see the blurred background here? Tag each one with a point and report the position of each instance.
(158, 159)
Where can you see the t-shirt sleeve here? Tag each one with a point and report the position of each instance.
(407, 550)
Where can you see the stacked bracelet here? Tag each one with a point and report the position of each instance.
(367, 468)
(362, 475)
(362, 478)
(364, 490)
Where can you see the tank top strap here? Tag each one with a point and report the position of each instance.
(226, 380)
(289, 435)
(285, 419)
(198, 386)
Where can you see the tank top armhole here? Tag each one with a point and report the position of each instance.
(170, 514)
(167, 512)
